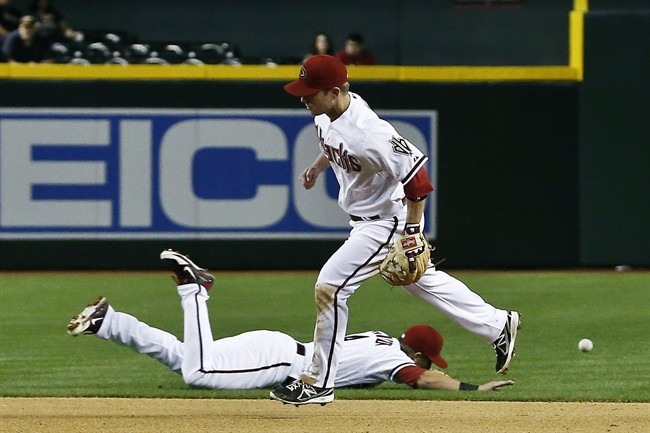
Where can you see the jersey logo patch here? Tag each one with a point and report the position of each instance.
(401, 146)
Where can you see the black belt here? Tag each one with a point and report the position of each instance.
(300, 349)
(370, 218)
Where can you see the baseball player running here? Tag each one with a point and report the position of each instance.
(259, 359)
(383, 187)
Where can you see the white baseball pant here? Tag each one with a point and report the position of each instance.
(357, 260)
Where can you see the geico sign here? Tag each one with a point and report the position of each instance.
(165, 172)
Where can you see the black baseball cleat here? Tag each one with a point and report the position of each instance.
(185, 270)
(299, 393)
(504, 346)
(90, 319)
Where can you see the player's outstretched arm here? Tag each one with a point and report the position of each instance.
(433, 379)
(495, 385)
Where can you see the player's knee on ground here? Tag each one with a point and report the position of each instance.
(194, 378)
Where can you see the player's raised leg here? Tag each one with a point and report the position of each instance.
(254, 359)
(185, 270)
(453, 298)
(193, 283)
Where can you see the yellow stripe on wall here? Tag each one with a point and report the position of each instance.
(571, 72)
(576, 37)
(489, 73)
(284, 72)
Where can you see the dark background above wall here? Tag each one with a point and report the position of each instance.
(402, 32)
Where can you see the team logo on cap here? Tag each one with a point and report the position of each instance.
(303, 72)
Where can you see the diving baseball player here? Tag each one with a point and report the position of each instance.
(383, 187)
(259, 359)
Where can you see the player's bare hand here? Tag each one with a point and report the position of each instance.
(495, 385)
(308, 177)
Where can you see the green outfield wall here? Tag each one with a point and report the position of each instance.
(507, 180)
(615, 139)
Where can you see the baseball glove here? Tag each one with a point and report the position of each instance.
(407, 260)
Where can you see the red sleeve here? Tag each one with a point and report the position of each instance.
(410, 375)
(419, 185)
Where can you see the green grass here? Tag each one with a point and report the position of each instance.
(37, 357)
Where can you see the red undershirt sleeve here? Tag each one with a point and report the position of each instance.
(419, 185)
(410, 375)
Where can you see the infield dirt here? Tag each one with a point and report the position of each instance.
(54, 415)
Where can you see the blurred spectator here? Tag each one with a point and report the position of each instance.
(321, 44)
(9, 18)
(51, 23)
(25, 45)
(354, 52)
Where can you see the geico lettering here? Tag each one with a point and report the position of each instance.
(123, 172)
(131, 192)
(21, 173)
(180, 202)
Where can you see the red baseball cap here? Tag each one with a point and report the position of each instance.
(319, 72)
(426, 340)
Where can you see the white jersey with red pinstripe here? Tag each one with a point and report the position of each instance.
(371, 161)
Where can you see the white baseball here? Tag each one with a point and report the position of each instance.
(585, 345)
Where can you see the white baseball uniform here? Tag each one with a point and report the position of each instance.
(370, 358)
(255, 359)
(372, 163)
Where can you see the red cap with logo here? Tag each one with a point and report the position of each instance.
(426, 340)
(319, 72)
